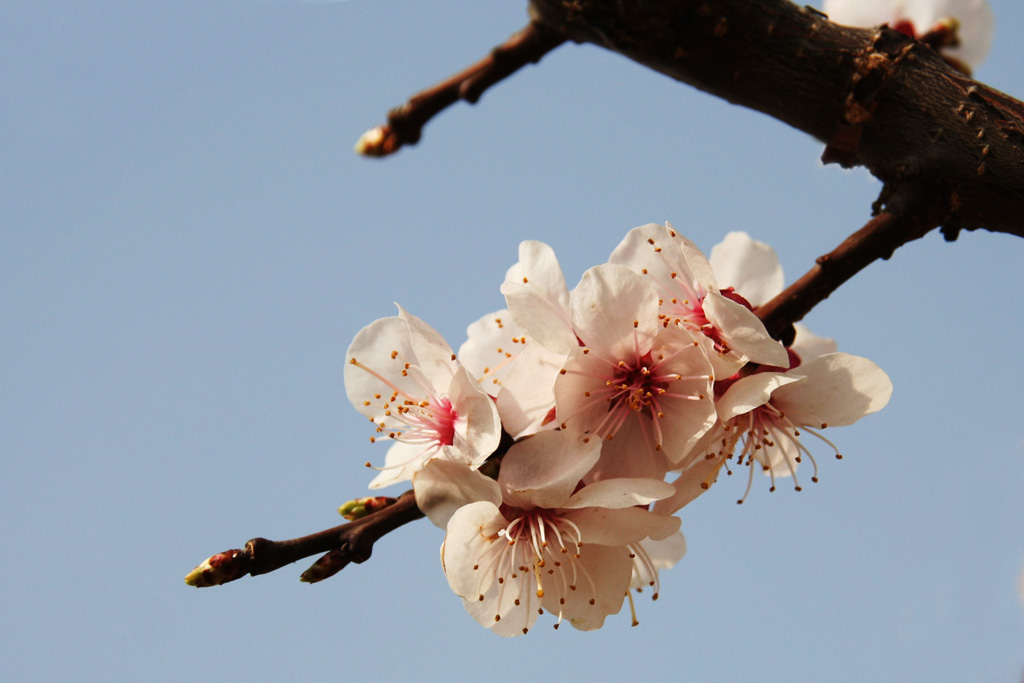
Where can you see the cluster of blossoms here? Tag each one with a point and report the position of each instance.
(963, 28)
(557, 445)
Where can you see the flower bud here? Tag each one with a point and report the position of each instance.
(326, 567)
(360, 507)
(218, 569)
(375, 143)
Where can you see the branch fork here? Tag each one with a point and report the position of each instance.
(344, 544)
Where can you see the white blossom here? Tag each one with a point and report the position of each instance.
(690, 296)
(537, 538)
(403, 376)
(765, 414)
(542, 448)
(632, 369)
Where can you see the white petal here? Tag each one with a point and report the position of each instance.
(619, 493)
(651, 250)
(672, 262)
(977, 24)
(384, 348)
(492, 344)
(527, 393)
(666, 552)
(662, 554)
(753, 391)
(808, 345)
(400, 462)
(471, 531)
(782, 458)
(477, 425)
(433, 354)
(723, 363)
(691, 483)
(604, 578)
(865, 13)
(696, 262)
(442, 487)
(584, 374)
(538, 298)
(750, 267)
(631, 454)
(623, 526)
(685, 420)
(839, 390)
(544, 469)
(614, 310)
(743, 331)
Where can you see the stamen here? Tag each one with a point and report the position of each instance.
(632, 608)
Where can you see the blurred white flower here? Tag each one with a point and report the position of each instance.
(974, 21)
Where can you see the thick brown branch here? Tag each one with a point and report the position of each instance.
(405, 123)
(875, 97)
(352, 542)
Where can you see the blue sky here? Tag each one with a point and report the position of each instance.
(188, 245)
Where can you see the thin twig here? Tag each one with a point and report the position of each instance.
(405, 123)
(911, 212)
(351, 542)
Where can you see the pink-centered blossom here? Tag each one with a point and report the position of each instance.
(403, 376)
(632, 370)
(764, 416)
(538, 539)
(689, 295)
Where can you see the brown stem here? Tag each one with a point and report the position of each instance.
(351, 542)
(910, 213)
(405, 123)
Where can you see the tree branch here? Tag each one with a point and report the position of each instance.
(949, 150)
(911, 214)
(351, 542)
(877, 98)
(405, 123)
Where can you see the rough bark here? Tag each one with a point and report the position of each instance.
(875, 97)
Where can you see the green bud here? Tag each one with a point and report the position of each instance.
(360, 507)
